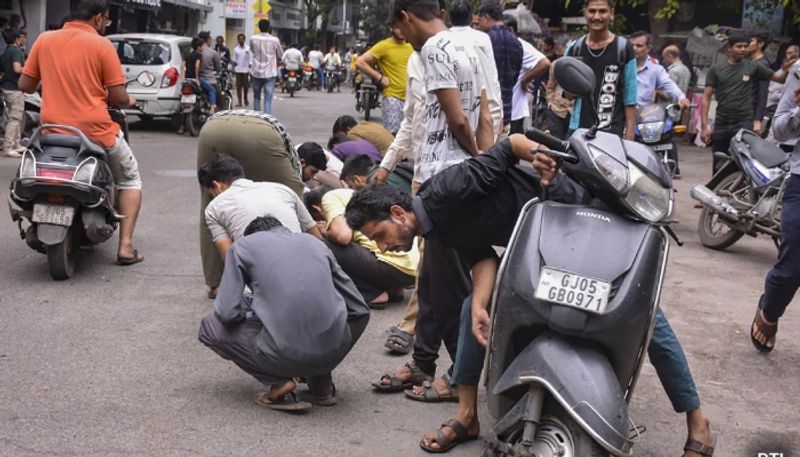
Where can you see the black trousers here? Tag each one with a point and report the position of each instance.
(558, 126)
(371, 276)
(517, 126)
(724, 130)
(444, 283)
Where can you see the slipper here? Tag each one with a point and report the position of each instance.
(702, 449)
(399, 341)
(328, 399)
(288, 402)
(766, 329)
(461, 436)
(431, 395)
(125, 261)
(398, 385)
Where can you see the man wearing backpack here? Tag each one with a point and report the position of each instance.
(613, 61)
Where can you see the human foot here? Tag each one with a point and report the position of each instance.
(129, 259)
(763, 332)
(451, 434)
(701, 440)
(436, 391)
(404, 378)
(282, 398)
(380, 301)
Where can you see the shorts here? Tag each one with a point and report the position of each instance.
(123, 165)
(392, 113)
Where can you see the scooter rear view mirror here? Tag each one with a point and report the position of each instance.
(575, 77)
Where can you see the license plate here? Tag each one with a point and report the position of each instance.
(292, 80)
(53, 214)
(188, 98)
(573, 290)
(663, 147)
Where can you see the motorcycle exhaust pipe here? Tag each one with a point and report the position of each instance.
(707, 197)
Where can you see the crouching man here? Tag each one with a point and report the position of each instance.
(287, 329)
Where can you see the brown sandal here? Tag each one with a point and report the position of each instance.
(398, 385)
(699, 448)
(431, 395)
(766, 329)
(461, 436)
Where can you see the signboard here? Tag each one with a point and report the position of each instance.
(236, 9)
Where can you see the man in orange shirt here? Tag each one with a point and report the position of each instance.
(80, 74)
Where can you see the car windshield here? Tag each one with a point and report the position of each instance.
(132, 52)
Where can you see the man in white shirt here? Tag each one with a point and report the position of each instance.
(243, 59)
(460, 14)
(267, 52)
(534, 65)
(236, 201)
(315, 58)
(292, 60)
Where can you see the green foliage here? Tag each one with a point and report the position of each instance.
(375, 19)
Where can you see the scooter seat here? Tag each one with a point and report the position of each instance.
(765, 152)
(69, 141)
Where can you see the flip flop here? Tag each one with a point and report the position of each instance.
(125, 261)
(766, 329)
(702, 449)
(288, 402)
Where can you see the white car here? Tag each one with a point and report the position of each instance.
(161, 55)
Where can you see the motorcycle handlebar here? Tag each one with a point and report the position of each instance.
(547, 140)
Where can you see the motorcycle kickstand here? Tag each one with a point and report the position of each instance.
(22, 233)
(533, 414)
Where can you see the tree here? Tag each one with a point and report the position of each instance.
(374, 19)
(315, 9)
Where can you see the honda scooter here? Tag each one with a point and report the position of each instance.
(576, 297)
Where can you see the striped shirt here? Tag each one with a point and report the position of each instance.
(266, 51)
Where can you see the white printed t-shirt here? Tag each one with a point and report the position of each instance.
(531, 56)
(449, 63)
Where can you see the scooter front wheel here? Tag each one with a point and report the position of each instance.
(61, 257)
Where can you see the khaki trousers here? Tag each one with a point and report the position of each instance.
(15, 104)
(258, 146)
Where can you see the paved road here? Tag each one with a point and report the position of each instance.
(108, 363)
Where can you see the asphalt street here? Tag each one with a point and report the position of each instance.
(108, 363)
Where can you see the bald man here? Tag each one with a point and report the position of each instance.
(678, 72)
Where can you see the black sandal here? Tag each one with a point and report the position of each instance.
(287, 402)
(399, 341)
(766, 329)
(431, 395)
(398, 385)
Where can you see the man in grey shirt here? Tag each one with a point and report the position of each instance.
(236, 201)
(678, 72)
(210, 65)
(288, 329)
(783, 279)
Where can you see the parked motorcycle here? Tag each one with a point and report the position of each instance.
(332, 78)
(65, 189)
(195, 106)
(576, 297)
(744, 196)
(366, 96)
(655, 125)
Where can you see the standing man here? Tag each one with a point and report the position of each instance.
(534, 65)
(758, 43)
(732, 80)
(210, 67)
(81, 74)
(677, 71)
(244, 62)
(12, 60)
(392, 56)
(315, 58)
(348, 57)
(784, 278)
(222, 50)
(267, 54)
(507, 54)
(613, 61)
(287, 329)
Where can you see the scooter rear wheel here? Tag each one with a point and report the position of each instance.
(61, 257)
(714, 232)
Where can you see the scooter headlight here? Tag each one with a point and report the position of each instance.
(85, 171)
(613, 171)
(646, 197)
(651, 131)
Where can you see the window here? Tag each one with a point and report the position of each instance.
(142, 52)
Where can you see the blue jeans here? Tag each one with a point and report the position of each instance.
(665, 353)
(783, 279)
(210, 91)
(320, 76)
(267, 85)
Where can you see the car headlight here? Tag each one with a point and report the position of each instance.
(651, 131)
(613, 171)
(646, 197)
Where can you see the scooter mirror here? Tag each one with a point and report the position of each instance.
(146, 79)
(575, 77)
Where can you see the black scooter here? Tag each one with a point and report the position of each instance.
(576, 297)
(65, 190)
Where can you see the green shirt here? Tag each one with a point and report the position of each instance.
(733, 86)
(10, 55)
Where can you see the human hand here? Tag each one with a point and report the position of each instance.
(757, 126)
(480, 325)
(684, 103)
(388, 81)
(705, 134)
(787, 65)
(546, 166)
(381, 176)
(131, 101)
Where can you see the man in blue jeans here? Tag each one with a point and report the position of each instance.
(486, 193)
(267, 52)
(784, 278)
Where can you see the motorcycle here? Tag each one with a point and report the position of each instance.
(332, 78)
(655, 125)
(65, 189)
(576, 297)
(292, 84)
(195, 106)
(310, 80)
(366, 96)
(744, 195)
(538, 105)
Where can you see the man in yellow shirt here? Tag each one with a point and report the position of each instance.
(391, 55)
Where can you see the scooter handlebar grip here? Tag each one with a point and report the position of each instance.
(547, 140)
